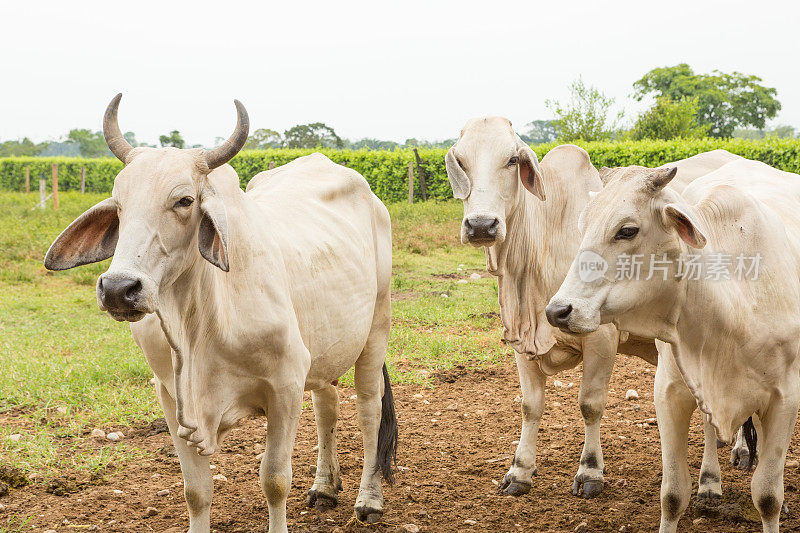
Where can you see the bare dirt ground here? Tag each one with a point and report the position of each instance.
(456, 442)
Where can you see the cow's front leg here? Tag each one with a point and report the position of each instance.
(519, 478)
(674, 408)
(709, 490)
(599, 355)
(327, 482)
(775, 433)
(283, 415)
(198, 488)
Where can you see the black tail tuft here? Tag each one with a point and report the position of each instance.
(387, 433)
(751, 439)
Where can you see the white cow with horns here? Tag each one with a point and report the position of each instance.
(243, 300)
(724, 306)
(530, 239)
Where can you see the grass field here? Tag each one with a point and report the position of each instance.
(67, 367)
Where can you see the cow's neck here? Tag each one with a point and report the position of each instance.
(530, 264)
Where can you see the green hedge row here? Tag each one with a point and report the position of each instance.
(387, 172)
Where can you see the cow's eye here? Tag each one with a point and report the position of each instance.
(626, 233)
(186, 201)
(513, 161)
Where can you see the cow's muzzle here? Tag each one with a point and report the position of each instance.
(123, 296)
(482, 230)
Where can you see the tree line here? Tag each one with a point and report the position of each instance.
(685, 105)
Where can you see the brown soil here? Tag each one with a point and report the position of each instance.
(456, 443)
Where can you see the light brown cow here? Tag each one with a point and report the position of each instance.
(243, 300)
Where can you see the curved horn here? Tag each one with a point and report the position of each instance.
(116, 142)
(224, 153)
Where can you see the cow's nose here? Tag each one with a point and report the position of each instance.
(119, 293)
(558, 315)
(481, 228)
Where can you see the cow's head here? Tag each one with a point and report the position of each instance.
(163, 208)
(626, 269)
(489, 167)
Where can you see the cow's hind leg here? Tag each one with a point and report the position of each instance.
(519, 478)
(198, 488)
(598, 363)
(275, 474)
(376, 418)
(674, 408)
(777, 425)
(327, 482)
(740, 455)
(709, 490)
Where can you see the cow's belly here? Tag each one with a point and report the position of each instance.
(335, 329)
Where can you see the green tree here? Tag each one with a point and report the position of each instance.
(24, 147)
(539, 132)
(369, 144)
(725, 101)
(261, 139)
(90, 143)
(173, 139)
(668, 119)
(781, 131)
(316, 135)
(585, 116)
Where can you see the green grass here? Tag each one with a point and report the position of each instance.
(67, 367)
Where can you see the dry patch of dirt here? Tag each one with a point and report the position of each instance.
(456, 443)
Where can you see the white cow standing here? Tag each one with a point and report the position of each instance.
(530, 239)
(243, 300)
(729, 338)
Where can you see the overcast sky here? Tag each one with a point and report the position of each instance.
(391, 70)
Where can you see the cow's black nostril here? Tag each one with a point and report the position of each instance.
(133, 292)
(470, 229)
(558, 315)
(493, 228)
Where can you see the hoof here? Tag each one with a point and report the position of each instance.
(588, 488)
(740, 458)
(369, 515)
(320, 500)
(708, 498)
(513, 486)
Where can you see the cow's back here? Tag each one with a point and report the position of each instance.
(691, 168)
(335, 238)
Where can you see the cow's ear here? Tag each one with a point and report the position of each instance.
(529, 171)
(92, 237)
(684, 220)
(212, 237)
(455, 173)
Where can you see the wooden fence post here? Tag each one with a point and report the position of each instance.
(423, 182)
(27, 179)
(83, 180)
(271, 165)
(411, 183)
(42, 191)
(55, 186)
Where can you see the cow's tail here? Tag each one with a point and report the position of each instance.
(387, 432)
(751, 439)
